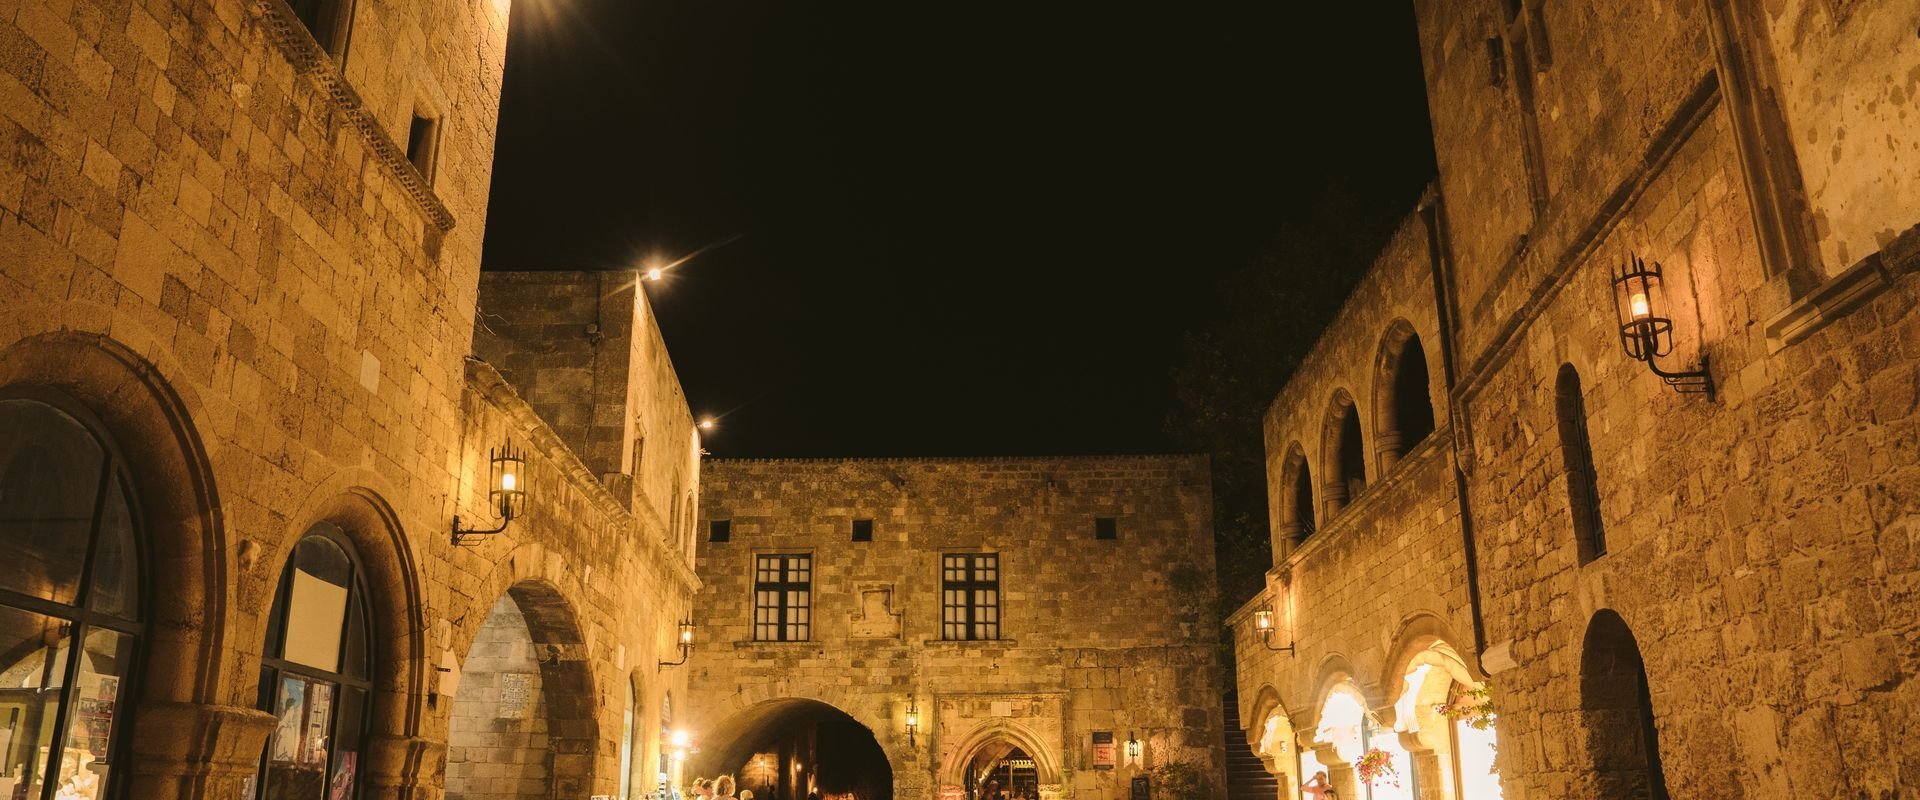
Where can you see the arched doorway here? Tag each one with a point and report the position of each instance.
(1623, 743)
(792, 748)
(1004, 751)
(522, 726)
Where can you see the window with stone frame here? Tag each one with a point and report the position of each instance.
(1576, 450)
(327, 21)
(970, 596)
(783, 597)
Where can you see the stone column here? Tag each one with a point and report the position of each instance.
(1386, 444)
(404, 768)
(189, 751)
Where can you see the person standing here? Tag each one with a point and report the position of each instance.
(1319, 788)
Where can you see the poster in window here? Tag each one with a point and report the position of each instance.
(293, 710)
(343, 776)
(1103, 749)
(95, 710)
(1140, 789)
(313, 750)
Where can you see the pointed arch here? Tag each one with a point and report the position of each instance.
(1046, 762)
(1343, 450)
(1296, 502)
(1576, 450)
(1403, 412)
(1616, 704)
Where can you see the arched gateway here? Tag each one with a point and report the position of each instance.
(792, 749)
(1003, 752)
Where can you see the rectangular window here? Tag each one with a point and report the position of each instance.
(783, 598)
(326, 21)
(423, 138)
(970, 596)
(720, 530)
(1106, 528)
(863, 530)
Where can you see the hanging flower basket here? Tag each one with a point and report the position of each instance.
(1474, 706)
(1374, 766)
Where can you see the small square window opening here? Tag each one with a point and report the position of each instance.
(863, 530)
(1106, 528)
(720, 530)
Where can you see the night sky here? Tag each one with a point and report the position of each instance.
(962, 229)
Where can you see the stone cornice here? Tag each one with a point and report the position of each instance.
(487, 382)
(1845, 292)
(309, 59)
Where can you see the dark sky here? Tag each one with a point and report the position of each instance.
(965, 229)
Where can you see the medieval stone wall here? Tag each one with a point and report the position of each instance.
(215, 243)
(1755, 541)
(1109, 635)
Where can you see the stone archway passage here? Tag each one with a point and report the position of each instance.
(789, 749)
(522, 718)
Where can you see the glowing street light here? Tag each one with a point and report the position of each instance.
(706, 423)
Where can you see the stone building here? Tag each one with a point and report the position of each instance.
(1016, 620)
(1671, 592)
(239, 424)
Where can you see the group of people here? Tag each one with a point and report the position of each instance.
(720, 788)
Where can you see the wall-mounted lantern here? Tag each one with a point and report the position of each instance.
(913, 718)
(1133, 750)
(1263, 622)
(1646, 332)
(506, 492)
(686, 644)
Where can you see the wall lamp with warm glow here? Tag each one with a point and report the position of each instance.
(1646, 332)
(686, 645)
(1133, 749)
(913, 718)
(506, 492)
(1263, 622)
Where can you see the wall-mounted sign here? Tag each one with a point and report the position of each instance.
(1139, 790)
(1103, 749)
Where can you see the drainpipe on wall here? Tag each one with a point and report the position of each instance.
(1432, 214)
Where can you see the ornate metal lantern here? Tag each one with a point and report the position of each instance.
(506, 492)
(1646, 333)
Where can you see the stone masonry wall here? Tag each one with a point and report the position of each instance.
(1106, 635)
(1757, 543)
(497, 742)
(1383, 577)
(213, 242)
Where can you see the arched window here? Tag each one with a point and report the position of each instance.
(315, 673)
(1303, 516)
(1583, 490)
(72, 584)
(670, 753)
(1349, 463)
(1409, 405)
(628, 714)
(1623, 742)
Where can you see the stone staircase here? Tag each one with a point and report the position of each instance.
(1247, 775)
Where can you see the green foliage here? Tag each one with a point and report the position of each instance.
(1231, 370)
(1183, 780)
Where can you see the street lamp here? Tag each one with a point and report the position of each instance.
(913, 718)
(1263, 622)
(1133, 749)
(506, 492)
(1646, 332)
(686, 648)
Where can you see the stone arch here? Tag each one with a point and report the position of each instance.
(1616, 705)
(1417, 633)
(392, 579)
(172, 476)
(1273, 738)
(763, 746)
(189, 674)
(566, 699)
(1343, 454)
(1403, 409)
(1296, 505)
(953, 772)
(1265, 701)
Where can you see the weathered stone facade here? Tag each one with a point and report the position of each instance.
(227, 246)
(1110, 635)
(1747, 558)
